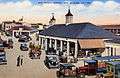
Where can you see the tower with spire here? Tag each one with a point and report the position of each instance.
(69, 17)
(52, 20)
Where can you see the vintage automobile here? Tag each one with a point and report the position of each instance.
(89, 67)
(51, 61)
(68, 71)
(1, 47)
(5, 44)
(24, 47)
(23, 38)
(3, 58)
(2, 55)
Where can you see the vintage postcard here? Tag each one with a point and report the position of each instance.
(59, 38)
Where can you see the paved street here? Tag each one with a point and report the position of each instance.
(31, 68)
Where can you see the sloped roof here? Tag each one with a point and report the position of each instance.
(69, 13)
(22, 26)
(31, 29)
(77, 31)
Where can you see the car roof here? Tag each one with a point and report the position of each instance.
(67, 65)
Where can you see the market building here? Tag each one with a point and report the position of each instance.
(75, 40)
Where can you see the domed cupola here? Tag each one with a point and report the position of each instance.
(52, 20)
(69, 13)
(69, 17)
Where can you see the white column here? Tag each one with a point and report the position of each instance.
(61, 45)
(76, 50)
(41, 43)
(108, 51)
(13, 35)
(46, 44)
(68, 48)
(55, 44)
(29, 33)
(50, 45)
(39, 40)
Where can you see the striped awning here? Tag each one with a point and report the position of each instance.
(91, 43)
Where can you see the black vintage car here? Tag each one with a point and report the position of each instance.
(5, 44)
(24, 47)
(3, 58)
(67, 70)
(51, 61)
(24, 38)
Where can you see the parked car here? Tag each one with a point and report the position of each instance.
(3, 58)
(23, 38)
(68, 71)
(1, 47)
(51, 61)
(24, 47)
(5, 44)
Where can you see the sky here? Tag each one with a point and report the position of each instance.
(97, 12)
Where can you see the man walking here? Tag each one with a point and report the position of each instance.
(18, 60)
(21, 59)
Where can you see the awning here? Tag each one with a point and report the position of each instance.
(91, 43)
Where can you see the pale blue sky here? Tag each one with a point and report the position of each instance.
(36, 1)
(99, 11)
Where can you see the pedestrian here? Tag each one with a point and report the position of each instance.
(18, 60)
(21, 59)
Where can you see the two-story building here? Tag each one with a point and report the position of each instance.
(6, 25)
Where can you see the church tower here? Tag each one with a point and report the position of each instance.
(52, 20)
(69, 17)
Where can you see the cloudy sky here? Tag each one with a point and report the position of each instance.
(98, 12)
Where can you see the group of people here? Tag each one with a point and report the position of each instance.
(20, 60)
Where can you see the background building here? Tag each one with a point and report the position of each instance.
(112, 28)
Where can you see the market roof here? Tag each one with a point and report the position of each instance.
(77, 31)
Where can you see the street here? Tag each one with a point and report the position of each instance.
(31, 68)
